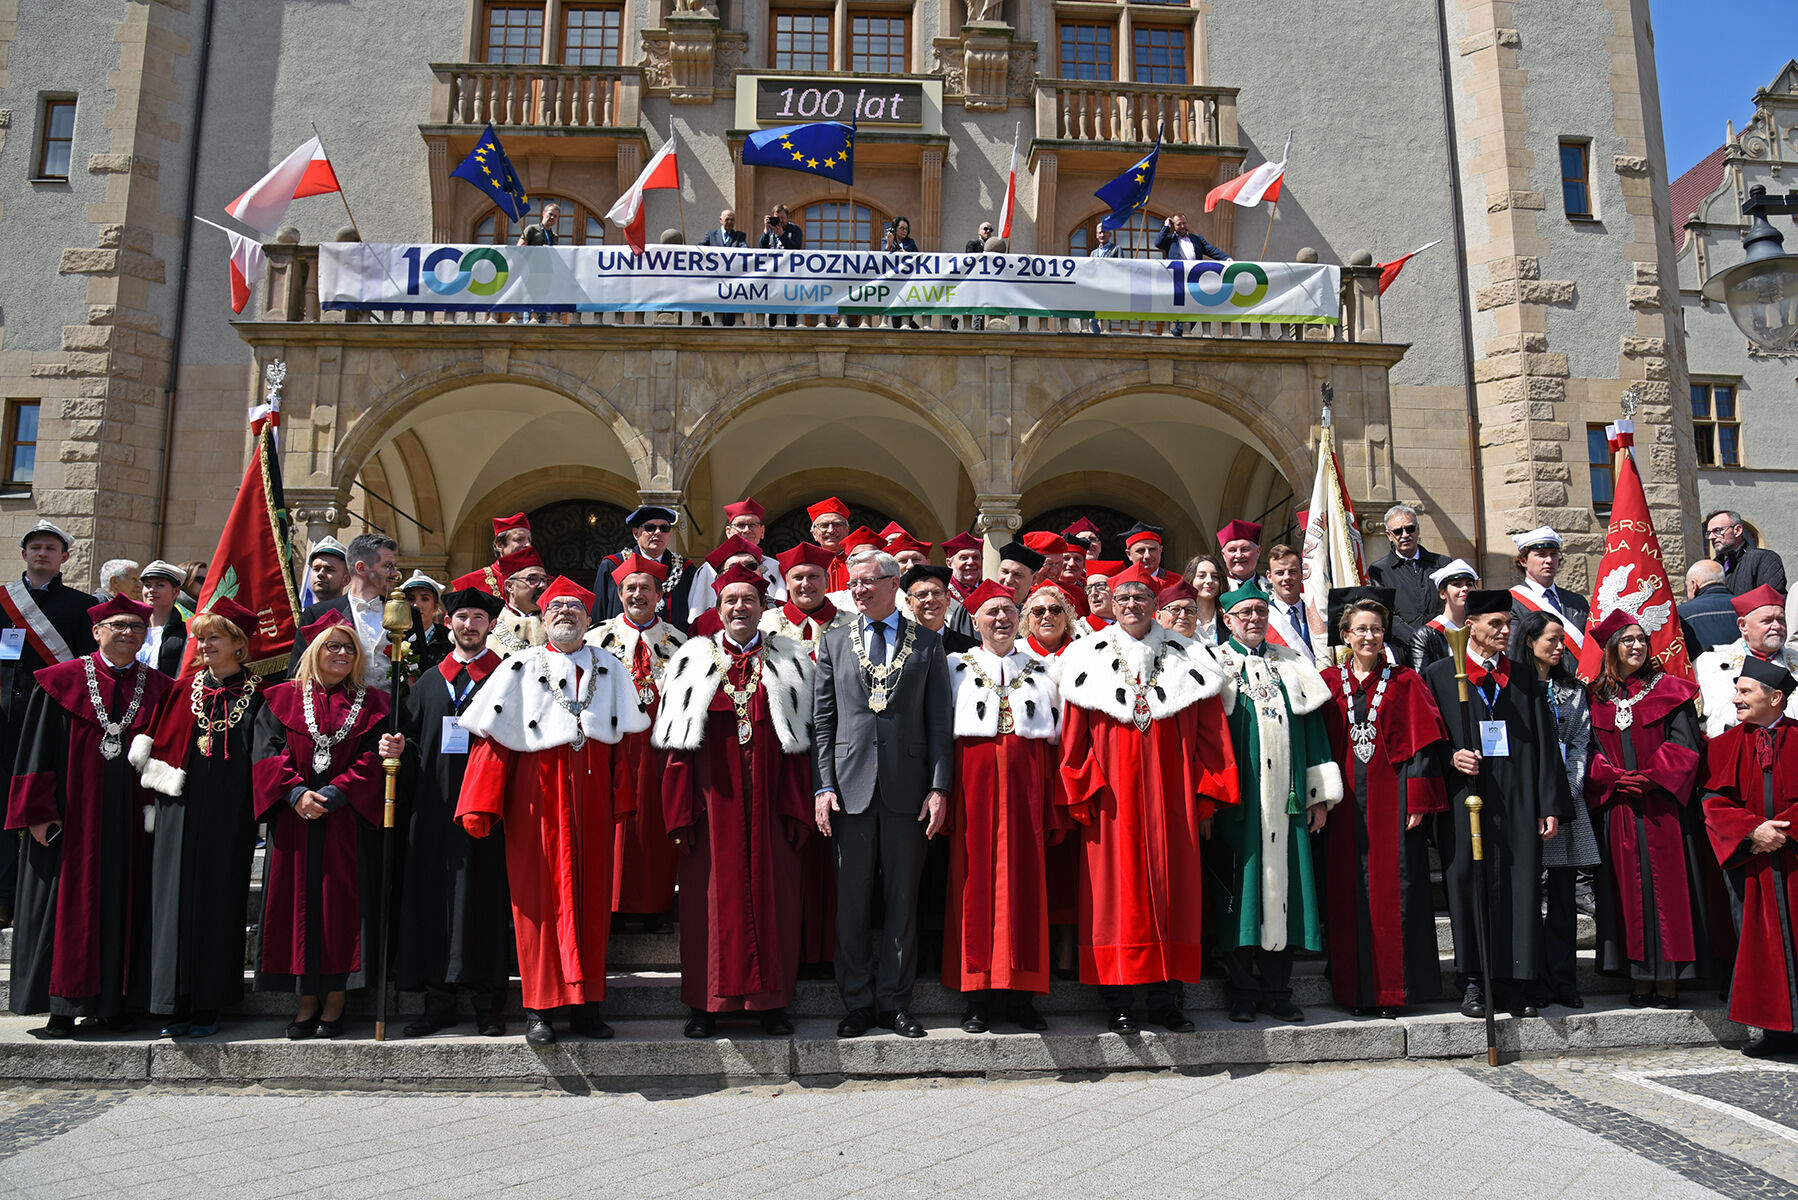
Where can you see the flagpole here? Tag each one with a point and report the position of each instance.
(341, 193)
(680, 203)
(1285, 162)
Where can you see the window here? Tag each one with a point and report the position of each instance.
(515, 33)
(1086, 50)
(1715, 425)
(495, 230)
(1136, 239)
(1598, 459)
(21, 443)
(1576, 187)
(1160, 55)
(878, 44)
(591, 34)
(56, 138)
(801, 41)
(838, 225)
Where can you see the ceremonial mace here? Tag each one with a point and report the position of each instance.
(396, 619)
(1457, 642)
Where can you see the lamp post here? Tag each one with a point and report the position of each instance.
(1761, 292)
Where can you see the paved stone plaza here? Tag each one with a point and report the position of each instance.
(1668, 1124)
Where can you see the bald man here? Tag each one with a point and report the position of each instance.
(1706, 618)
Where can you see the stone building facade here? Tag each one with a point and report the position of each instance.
(1469, 388)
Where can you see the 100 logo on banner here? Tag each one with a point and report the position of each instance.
(425, 269)
(1195, 279)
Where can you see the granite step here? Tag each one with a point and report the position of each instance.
(652, 1053)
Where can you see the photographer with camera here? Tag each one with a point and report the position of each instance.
(896, 236)
(778, 233)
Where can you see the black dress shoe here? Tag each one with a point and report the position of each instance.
(1122, 1022)
(974, 1020)
(903, 1024)
(330, 1029)
(1283, 1009)
(299, 1031)
(855, 1023)
(589, 1024)
(1473, 1004)
(430, 1023)
(1528, 1010)
(1172, 1020)
(58, 1027)
(1665, 1001)
(537, 1029)
(1641, 999)
(1024, 1015)
(1572, 1001)
(1773, 1043)
(6, 915)
(701, 1024)
(776, 1023)
(1242, 1011)
(492, 1025)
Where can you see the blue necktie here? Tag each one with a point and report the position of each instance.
(877, 651)
(1554, 599)
(1304, 625)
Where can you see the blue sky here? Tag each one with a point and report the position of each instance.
(1710, 56)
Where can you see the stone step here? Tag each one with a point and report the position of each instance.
(1445, 933)
(653, 1052)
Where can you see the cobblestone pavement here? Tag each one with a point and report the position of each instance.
(1674, 1125)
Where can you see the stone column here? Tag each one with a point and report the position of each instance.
(317, 513)
(930, 198)
(997, 520)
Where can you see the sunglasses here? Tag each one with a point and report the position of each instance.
(1402, 530)
(656, 527)
(1040, 612)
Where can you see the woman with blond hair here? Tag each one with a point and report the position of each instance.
(1050, 622)
(196, 757)
(318, 785)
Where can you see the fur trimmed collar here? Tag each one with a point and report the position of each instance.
(1098, 673)
(1035, 702)
(515, 706)
(693, 678)
(1306, 690)
(1716, 671)
(619, 638)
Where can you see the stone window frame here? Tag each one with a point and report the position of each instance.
(16, 408)
(49, 103)
(1122, 18)
(1584, 182)
(1707, 430)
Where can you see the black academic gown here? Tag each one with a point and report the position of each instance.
(455, 923)
(200, 861)
(67, 610)
(1518, 791)
(672, 607)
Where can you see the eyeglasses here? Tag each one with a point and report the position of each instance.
(862, 585)
(1040, 612)
(564, 606)
(656, 527)
(1402, 530)
(1249, 610)
(744, 526)
(926, 595)
(340, 647)
(535, 581)
(125, 626)
(1181, 610)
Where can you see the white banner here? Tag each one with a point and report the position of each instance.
(354, 275)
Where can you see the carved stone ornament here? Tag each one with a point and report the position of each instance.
(733, 48)
(987, 61)
(692, 51)
(1021, 78)
(657, 73)
(949, 65)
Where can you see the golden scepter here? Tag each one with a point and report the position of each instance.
(1457, 643)
(396, 619)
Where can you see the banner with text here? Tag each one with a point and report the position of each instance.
(355, 275)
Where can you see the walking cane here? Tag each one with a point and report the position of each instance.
(396, 619)
(1457, 642)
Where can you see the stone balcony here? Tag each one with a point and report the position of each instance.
(467, 96)
(1100, 111)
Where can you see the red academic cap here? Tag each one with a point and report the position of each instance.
(518, 560)
(562, 586)
(740, 574)
(1082, 527)
(636, 564)
(1142, 533)
(706, 624)
(828, 506)
(730, 548)
(1104, 567)
(1614, 623)
(1760, 597)
(1135, 574)
(1044, 542)
(988, 590)
(515, 521)
(862, 536)
(892, 530)
(1239, 531)
(746, 507)
(906, 541)
(332, 616)
(1176, 592)
(805, 555)
(119, 606)
(960, 542)
(239, 615)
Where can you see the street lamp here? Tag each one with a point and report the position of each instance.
(1762, 291)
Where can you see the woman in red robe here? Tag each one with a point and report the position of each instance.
(317, 782)
(1050, 627)
(1383, 725)
(1750, 807)
(1645, 762)
(1002, 811)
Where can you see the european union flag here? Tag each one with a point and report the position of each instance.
(488, 168)
(1130, 191)
(824, 148)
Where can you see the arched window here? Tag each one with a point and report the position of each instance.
(840, 225)
(578, 226)
(1135, 240)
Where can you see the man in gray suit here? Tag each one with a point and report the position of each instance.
(881, 764)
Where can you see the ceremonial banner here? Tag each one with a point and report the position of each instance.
(355, 275)
(1332, 552)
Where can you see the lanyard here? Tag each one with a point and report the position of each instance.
(456, 701)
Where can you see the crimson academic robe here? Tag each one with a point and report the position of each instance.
(317, 872)
(1061, 862)
(81, 929)
(740, 812)
(1381, 915)
(455, 919)
(1753, 777)
(644, 858)
(1649, 887)
(1139, 796)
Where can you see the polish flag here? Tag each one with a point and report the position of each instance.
(663, 171)
(1263, 183)
(1389, 270)
(305, 172)
(247, 263)
(1011, 187)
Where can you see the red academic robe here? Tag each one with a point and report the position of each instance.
(1748, 785)
(817, 865)
(1139, 798)
(82, 918)
(1381, 916)
(740, 811)
(643, 855)
(1062, 860)
(298, 944)
(1646, 832)
(559, 806)
(1001, 811)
